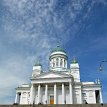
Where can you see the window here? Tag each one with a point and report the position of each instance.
(57, 60)
(84, 94)
(64, 63)
(61, 62)
(90, 93)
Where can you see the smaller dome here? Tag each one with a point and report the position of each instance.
(74, 61)
(58, 49)
(38, 63)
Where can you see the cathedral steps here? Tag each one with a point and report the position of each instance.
(59, 105)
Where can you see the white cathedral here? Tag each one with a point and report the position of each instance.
(59, 85)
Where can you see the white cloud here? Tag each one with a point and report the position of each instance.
(12, 73)
(34, 19)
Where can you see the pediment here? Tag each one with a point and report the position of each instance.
(52, 75)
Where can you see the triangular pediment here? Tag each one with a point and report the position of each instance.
(52, 75)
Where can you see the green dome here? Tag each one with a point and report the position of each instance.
(74, 61)
(38, 64)
(58, 49)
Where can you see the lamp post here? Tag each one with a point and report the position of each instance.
(101, 65)
(101, 68)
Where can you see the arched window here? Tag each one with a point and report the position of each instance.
(64, 63)
(61, 62)
(57, 60)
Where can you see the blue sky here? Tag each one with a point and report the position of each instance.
(30, 29)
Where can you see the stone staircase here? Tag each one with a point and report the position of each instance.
(59, 105)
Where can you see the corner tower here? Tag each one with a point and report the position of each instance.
(58, 59)
(74, 68)
(37, 69)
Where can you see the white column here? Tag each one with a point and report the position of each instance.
(70, 93)
(66, 63)
(94, 97)
(34, 93)
(46, 94)
(39, 96)
(63, 62)
(81, 96)
(59, 61)
(55, 93)
(63, 94)
(31, 94)
(55, 62)
(101, 100)
(16, 98)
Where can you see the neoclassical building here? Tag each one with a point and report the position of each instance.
(59, 85)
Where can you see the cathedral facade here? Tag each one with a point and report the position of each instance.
(59, 85)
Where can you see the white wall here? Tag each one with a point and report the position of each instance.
(24, 97)
(77, 95)
(75, 72)
(59, 94)
(67, 96)
(91, 96)
(36, 97)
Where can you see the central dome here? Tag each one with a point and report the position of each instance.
(58, 49)
(58, 59)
